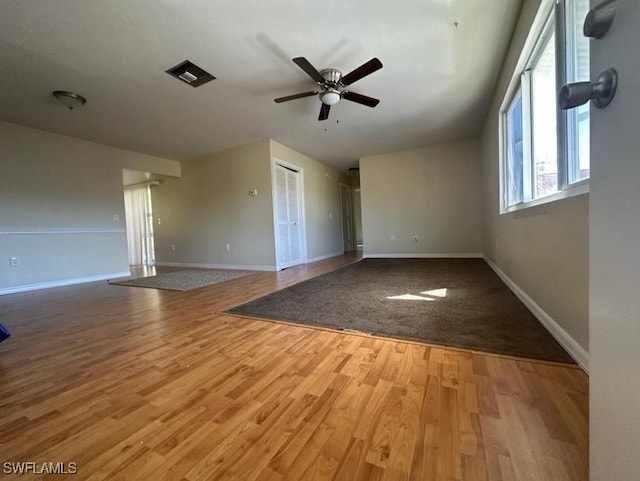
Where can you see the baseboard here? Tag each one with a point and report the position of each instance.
(575, 350)
(453, 255)
(237, 267)
(61, 283)
(321, 258)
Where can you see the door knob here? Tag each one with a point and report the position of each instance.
(600, 93)
(599, 19)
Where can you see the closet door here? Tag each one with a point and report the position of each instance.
(289, 235)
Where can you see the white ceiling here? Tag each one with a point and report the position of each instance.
(435, 85)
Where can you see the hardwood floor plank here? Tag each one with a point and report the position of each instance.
(384, 427)
(187, 453)
(138, 384)
(315, 410)
(406, 434)
(353, 462)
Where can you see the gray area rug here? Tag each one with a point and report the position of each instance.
(451, 302)
(182, 280)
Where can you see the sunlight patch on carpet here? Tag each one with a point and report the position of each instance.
(415, 297)
(410, 297)
(436, 292)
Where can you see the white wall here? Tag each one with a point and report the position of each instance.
(58, 198)
(544, 249)
(432, 192)
(614, 234)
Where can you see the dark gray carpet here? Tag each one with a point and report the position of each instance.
(181, 280)
(452, 302)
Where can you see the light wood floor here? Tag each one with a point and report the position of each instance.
(133, 383)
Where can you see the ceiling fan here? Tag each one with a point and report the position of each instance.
(332, 82)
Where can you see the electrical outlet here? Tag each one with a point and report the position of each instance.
(415, 238)
(14, 261)
(173, 247)
(116, 218)
(227, 247)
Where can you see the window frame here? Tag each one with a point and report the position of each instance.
(550, 19)
(509, 148)
(568, 120)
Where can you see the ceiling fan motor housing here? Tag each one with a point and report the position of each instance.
(330, 94)
(332, 77)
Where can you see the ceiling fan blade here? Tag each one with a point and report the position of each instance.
(362, 71)
(293, 97)
(310, 70)
(361, 99)
(324, 112)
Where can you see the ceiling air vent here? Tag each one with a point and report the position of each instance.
(190, 73)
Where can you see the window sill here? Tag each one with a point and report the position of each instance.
(578, 188)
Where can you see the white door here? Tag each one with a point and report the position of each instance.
(288, 217)
(614, 262)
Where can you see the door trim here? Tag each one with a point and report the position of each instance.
(350, 242)
(303, 225)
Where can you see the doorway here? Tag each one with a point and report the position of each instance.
(139, 224)
(346, 202)
(288, 208)
(357, 218)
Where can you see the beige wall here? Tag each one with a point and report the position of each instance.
(58, 197)
(543, 249)
(210, 206)
(432, 192)
(323, 215)
(614, 237)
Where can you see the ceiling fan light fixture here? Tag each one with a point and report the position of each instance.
(69, 99)
(330, 97)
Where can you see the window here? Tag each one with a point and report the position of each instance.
(514, 154)
(545, 151)
(577, 70)
(543, 118)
